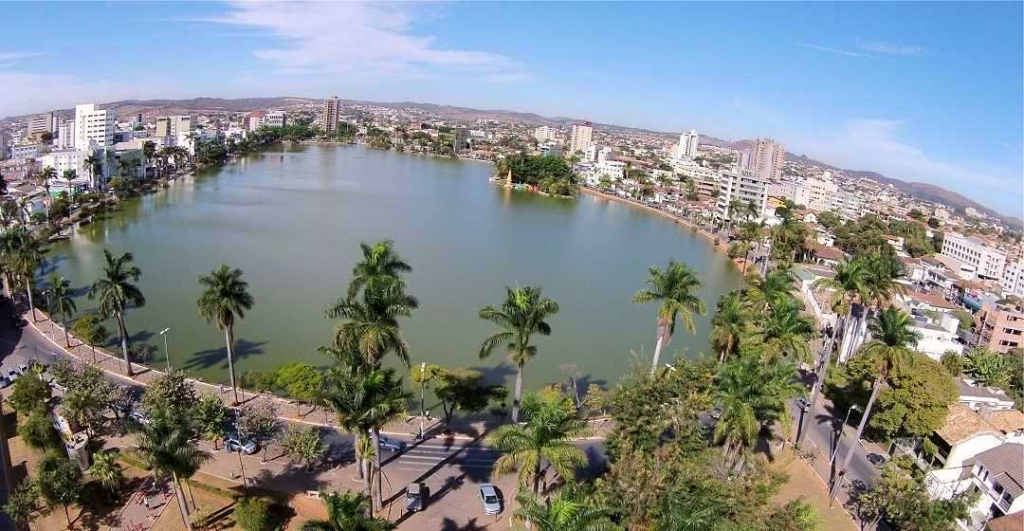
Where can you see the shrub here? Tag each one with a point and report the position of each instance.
(252, 514)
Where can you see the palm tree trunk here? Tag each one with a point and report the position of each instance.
(377, 494)
(124, 342)
(364, 474)
(517, 397)
(360, 458)
(657, 353)
(819, 379)
(875, 389)
(28, 289)
(241, 469)
(229, 338)
(536, 478)
(181, 502)
(728, 349)
(191, 496)
(67, 337)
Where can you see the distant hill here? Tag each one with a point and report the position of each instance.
(924, 191)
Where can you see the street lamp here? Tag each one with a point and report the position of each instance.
(167, 353)
(423, 383)
(839, 435)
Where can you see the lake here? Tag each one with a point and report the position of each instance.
(292, 218)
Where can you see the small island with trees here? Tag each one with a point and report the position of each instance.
(546, 175)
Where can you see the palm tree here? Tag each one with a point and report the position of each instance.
(107, 471)
(22, 254)
(347, 512)
(850, 283)
(728, 325)
(522, 314)
(225, 297)
(675, 291)
(95, 165)
(544, 439)
(785, 331)
(62, 303)
(561, 513)
(371, 325)
(890, 352)
(765, 293)
(148, 150)
(115, 292)
(166, 445)
(70, 175)
(380, 266)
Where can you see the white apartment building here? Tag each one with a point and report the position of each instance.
(544, 133)
(581, 137)
(25, 151)
(275, 119)
(745, 185)
(792, 190)
(937, 338)
(71, 159)
(93, 125)
(986, 261)
(1013, 275)
(687, 147)
(65, 136)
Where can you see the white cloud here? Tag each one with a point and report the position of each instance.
(847, 53)
(358, 40)
(890, 49)
(10, 58)
(870, 144)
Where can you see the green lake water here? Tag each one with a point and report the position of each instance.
(292, 219)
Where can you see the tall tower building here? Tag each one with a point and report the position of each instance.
(172, 125)
(687, 148)
(767, 158)
(329, 114)
(581, 138)
(93, 125)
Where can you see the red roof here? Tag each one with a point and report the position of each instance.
(827, 253)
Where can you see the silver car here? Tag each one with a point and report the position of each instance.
(391, 444)
(234, 443)
(489, 497)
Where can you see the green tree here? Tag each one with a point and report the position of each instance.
(523, 313)
(464, 389)
(347, 512)
(301, 381)
(764, 294)
(90, 329)
(210, 417)
(38, 432)
(304, 444)
(674, 289)
(561, 513)
(21, 253)
(784, 332)
(22, 503)
(116, 292)
(257, 420)
(108, 472)
(891, 354)
(544, 441)
(901, 498)
(953, 362)
(728, 325)
(166, 445)
(31, 393)
(95, 166)
(59, 481)
(172, 390)
(988, 368)
(252, 514)
(62, 303)
(225, 297)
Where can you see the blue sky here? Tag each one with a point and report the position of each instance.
(921, 92)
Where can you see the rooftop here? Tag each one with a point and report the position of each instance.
(930, 299)
(1006, 465)
(967, 388)
(961, 424)
(1007, 421)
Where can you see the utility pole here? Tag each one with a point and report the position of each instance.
(167, 353)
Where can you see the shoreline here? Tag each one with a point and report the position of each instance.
(718, 247)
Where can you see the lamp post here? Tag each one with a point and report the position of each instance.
(167, 353)
(423, 383)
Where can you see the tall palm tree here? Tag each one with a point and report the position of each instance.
(765, 293)
(22, 254)
(371, 324)
(784, 331)
(95, 166)
(728, 325)
(70, 175)
(561, 513)
(166, 445)
(521, 315)
(380, 266)
(62, 303)
(851, 285)
(675, 290)
(225, 297)
(347, 512)
(115, 292)
(148, 150)
(889, 350)
(544, 439)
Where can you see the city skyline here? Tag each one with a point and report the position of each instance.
(928, 93)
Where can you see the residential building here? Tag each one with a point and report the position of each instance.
(1013, 275)
(544, 133)
(746, 186)
(581, 137)
(767, 158)
(687, 147)
(65, 135)
(42, 123)
(93, 125)
(329, 114)
(978, 397)
(255, 120)
(71, 159)
(997, 474)
(3, 145)
(172, 125)
(25, 151)
(460, 139)
(1002, 327)
(987, 262)
(275, 119)
(937, 338)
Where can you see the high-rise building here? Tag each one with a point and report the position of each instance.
(544, 133)
(65, 135)
(1002, 326)
(41, 123)
(1013, 276)
(745, 186)
(275, 119)
(93, 125)
(172, 125)
(581, 138)
(329, 114)
(460, 139)
(687, 147)
(973, 252)
(767, 158)
(3, 145)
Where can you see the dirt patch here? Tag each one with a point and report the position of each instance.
(804, 482)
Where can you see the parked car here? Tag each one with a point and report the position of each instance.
(141, 417)
(414, 495)
(12, 375)
(803, 404)
(22, 368)
(234, 443)
(877, 459)
(391, 444)
(490, 499)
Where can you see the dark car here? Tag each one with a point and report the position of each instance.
(391, 444)
(414, 496)
(877, 459)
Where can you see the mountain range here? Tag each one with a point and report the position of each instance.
(919, 190)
